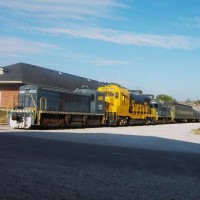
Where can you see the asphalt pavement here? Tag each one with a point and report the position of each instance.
(33, 168)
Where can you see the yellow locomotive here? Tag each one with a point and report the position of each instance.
(123, 108)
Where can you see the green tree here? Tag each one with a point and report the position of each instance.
(165, 98)
(197, 101)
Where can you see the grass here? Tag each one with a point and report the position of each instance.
(196, 131)
(3, 117)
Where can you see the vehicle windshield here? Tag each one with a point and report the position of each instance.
(154, 105)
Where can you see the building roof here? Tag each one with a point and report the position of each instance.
(31, 74)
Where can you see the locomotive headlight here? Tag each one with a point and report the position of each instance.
(27, 88)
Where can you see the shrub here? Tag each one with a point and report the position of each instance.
(3, 117)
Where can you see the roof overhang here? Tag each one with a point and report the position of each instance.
(10, 82)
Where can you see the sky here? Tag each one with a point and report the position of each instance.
(151, 45)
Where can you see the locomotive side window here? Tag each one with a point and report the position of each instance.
(123, 97)
(79, 99)
(73, 98)
(76, 98)
(92, 97)
(154, 105)
(100, 98)
(116, 95)
(110, 94)
(68, 97)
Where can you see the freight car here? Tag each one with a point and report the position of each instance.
(197, 115)
(47, 107)
(182, 113)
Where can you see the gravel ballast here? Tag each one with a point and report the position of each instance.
(171, 137)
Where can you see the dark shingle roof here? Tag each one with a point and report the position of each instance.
(31, 74)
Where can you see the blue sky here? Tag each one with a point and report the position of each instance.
(153, 45)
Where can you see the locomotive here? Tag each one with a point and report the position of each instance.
(123, 108)
(47, 107)
(109, 105)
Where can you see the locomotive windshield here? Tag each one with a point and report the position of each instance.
(109, 94)
(154, 105)
(100, 98)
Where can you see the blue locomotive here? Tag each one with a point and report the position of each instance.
(47, 107)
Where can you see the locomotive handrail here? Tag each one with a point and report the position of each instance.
(45, 103)
(40, 108)
(34, 104)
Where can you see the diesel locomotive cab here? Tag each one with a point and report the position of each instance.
(23, 113)
(163, 111)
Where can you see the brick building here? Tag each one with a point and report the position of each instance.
(13, 76)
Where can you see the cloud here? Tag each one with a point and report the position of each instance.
(36, 13)
(64, 8)
(126, 38)
(13, 46)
